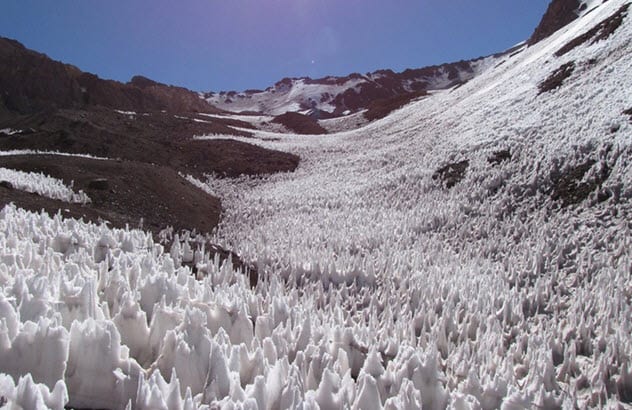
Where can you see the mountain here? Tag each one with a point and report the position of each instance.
(138, 139)
(32, 82)
(558, 14)
(469, 250)
(335, 96)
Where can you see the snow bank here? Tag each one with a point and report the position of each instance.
(130, 114)
(43, 185)
(10, 131)
(212, 137)
(39, 152)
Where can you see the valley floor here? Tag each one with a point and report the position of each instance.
(471, 251)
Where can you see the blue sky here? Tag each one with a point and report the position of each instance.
(239, 44)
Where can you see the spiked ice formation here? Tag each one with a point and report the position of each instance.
(43, 185)
(379, 287)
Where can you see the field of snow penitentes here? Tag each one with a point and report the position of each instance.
(43, 185)
(472, 250)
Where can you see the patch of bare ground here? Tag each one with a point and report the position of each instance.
(382, 107)
(299, 123)
(451, 174)
(628, 112)
(557, 77)
(122, 192)
(499, 157)
(601, 31)
(201, 242)
(158, 138)
(571, 187)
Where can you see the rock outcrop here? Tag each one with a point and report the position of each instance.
(558, 14)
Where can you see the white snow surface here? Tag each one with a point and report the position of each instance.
(9, 153)
(282, 99)
(128, 113)
(10, 131)
(44, 185)
(379, 288)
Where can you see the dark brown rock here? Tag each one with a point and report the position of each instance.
(158, 138)
(557, 77)
(143, 82)
(33, 82)
(558, 14)
(570, 188)
(451, 174)
(155, 195)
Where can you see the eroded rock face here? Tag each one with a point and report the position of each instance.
(30, 81)
(558, 14)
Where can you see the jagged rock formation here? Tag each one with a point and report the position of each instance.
(558, 14)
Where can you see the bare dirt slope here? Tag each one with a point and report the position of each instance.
(146, 154)
(122, 192)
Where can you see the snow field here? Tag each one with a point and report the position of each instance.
(379, 288)
(363, 211)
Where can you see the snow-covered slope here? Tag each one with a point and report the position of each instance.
(380, 287)
(340, 95)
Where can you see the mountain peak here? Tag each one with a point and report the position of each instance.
(558, 14)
